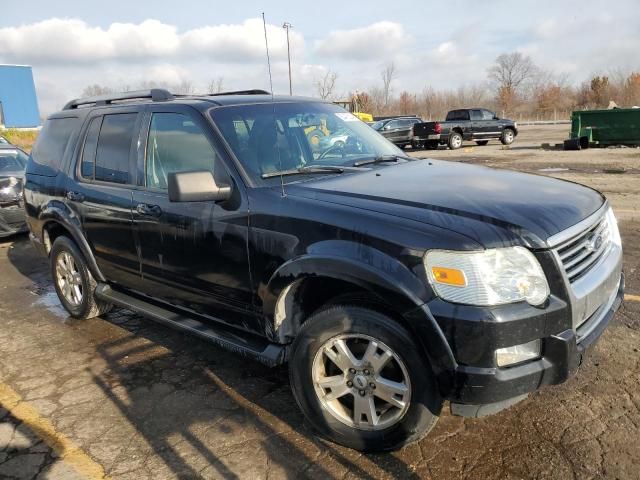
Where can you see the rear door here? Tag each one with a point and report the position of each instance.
(478, 124)
(106, 173)
(194, 254)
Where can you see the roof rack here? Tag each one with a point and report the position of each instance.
(155, 94)
(255, 91)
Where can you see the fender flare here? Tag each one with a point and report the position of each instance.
(59, 213)
(395, 283)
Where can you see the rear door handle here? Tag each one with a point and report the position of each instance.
(75, 196)
(148, 210)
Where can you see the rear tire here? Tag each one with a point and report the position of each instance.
(482, 143)
(73, 281)
(455, 140)
(344, 406)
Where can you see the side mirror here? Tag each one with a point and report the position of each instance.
(196, 187)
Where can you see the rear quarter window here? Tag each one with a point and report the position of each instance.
(49, 151)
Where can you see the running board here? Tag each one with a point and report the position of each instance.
(257, 348)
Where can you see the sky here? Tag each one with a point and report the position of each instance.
(446, 44)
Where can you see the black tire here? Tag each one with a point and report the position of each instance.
(482, 143)
(455, 140)
(424, 406)
(508, 136)
(88, 307)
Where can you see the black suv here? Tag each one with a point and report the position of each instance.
(398, 130)
(388, 284)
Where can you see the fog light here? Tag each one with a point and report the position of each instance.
(518, 353)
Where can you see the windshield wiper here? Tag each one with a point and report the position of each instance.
(382, 159)
(310, 169)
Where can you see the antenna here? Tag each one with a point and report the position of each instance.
(266, 43)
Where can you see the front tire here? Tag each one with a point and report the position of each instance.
(508, 136)
(73, 281)
(455, 140)
(361, 381)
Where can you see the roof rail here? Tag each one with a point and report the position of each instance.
(255, 91)
(155, 94)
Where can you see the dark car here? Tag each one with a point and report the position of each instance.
(471, 124)
(12, 165)
(398, 130)
(388, 284)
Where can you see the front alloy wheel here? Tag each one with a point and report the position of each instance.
(361, 381)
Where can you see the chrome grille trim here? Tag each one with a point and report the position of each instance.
(578, 228)
(579, 254)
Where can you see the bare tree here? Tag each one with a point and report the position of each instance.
(510, 74)
(326, 85)
(388, 75)
(94, 90)
(216, 85)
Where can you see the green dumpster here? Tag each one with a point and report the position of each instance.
(619, 126)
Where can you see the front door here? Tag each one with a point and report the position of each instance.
(193, 254)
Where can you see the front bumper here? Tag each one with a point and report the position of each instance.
(12, 220)
(562, 355)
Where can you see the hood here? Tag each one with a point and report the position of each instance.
(494, 207)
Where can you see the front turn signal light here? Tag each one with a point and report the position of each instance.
(449, 276)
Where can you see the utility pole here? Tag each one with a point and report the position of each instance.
(287, 26)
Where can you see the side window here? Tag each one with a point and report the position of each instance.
(392, 124)
(476, 115)
(114, 147)
(487, 115)
(176, 144)
(88, 162)
(52, 141)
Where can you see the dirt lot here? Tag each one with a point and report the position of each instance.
(124, 397)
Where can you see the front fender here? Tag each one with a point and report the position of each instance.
(359, 264)
(59, 213)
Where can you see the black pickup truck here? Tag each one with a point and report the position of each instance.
(476, 124)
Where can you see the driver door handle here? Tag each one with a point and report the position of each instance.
(148, 210)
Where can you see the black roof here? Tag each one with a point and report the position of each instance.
(241, 97)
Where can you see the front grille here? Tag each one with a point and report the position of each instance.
(581, 253)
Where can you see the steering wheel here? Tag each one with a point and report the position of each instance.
(333, 147)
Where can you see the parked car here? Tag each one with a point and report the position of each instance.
(467, 124)
(389, 284)
(398, 130)
(12, 165)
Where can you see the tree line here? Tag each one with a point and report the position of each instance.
(514, 86)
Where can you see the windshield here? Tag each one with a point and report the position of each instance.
(271, 137)
(12, 161)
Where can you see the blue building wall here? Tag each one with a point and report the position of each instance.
(18, 97)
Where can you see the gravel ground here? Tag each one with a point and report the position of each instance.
(127, 398)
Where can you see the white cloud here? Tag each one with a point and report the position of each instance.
(72, 40)
(376, 41)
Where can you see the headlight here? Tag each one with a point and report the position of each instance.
(13, 181)
(614, 233)
(491, 277)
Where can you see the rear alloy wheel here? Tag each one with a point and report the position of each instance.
(508, 136)
(73, 281)
(361, 381)
(455, 140)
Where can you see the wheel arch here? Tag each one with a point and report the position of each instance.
(56, 220)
